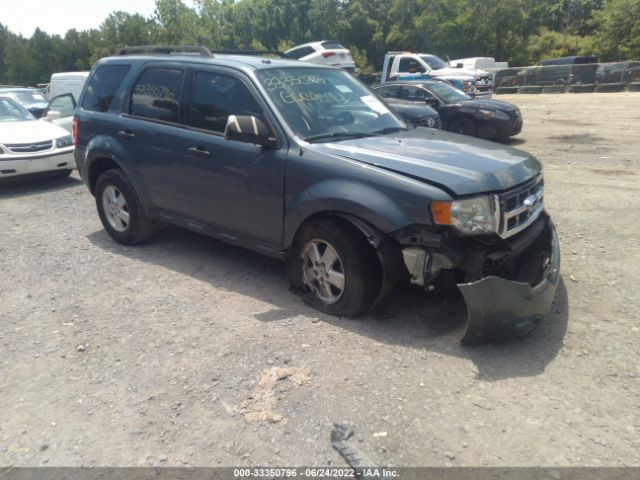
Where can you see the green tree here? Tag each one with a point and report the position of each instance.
(617, 30)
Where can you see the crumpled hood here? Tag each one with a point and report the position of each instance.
(29, 131)
(462, 72)
(459, 164)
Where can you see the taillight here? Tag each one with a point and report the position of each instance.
(328, 54)
(75, 129)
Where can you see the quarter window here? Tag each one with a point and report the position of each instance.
(215, 97)
(157, 94)
(103, 86)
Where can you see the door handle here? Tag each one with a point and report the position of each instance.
(127, 134)
(199, 151)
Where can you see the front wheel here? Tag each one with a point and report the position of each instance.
(335, 268)
(120, 210)
(464, 126)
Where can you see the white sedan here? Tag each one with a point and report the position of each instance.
(326, 52)
(29, 146)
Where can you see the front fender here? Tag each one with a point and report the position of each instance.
(344, 196)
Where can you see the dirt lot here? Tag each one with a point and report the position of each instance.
(153, 355)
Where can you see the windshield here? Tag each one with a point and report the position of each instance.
(322, 104)
(447, 93)
(11, 111)
(26, 96)
(436, 63)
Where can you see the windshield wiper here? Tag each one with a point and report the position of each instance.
(337, 135)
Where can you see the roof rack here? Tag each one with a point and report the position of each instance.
(256, 53)
(166, 50)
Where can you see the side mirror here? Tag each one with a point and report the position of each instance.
(432, 102)
(249, 129)
(52, 115)
(459, 65)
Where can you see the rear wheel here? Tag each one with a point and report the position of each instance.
(464, 126)
(335, 268)
(120, 209)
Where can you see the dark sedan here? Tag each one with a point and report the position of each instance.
(459, 113)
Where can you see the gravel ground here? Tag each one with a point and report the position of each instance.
(187, 351)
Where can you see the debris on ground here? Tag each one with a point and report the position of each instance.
(260, 406)
(340, 436)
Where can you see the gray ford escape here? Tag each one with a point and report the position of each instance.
(305, 164)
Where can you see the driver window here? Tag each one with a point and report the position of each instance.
(215, 97)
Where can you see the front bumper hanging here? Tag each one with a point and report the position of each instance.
(500, 308)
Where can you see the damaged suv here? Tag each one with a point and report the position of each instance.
(306, 164)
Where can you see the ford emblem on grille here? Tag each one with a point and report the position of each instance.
(531, 202)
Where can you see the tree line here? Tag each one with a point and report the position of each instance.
(521, 32)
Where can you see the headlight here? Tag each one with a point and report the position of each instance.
(494, 114)
(471, 216)
(64, 141)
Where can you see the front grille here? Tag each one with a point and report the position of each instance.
(30, 147)
(484, 83)
(518, 208)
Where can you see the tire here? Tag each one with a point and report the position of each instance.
(114, 193)
(463, 126)
(355, 262)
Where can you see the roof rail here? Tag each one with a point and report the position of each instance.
(251, 52)
(165, 50)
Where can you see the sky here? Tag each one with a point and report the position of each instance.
(58, 16)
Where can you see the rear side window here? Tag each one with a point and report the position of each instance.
(103, 86)
(300, 52)
(390, 92)
(157, 94)
(215, 97)
(408, 64)
(332, 46)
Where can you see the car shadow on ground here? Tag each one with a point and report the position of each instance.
(23, 186)
(512, 141)
(405, 318)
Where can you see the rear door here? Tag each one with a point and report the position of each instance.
(235, 186)
(153, 133)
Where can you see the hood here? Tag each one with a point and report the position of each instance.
(407, 107)
(29, 131)
(458, 72)
(459, 164)
(489, 104)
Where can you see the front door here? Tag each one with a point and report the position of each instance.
(234, 186)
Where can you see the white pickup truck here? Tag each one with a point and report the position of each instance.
(417, 66)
